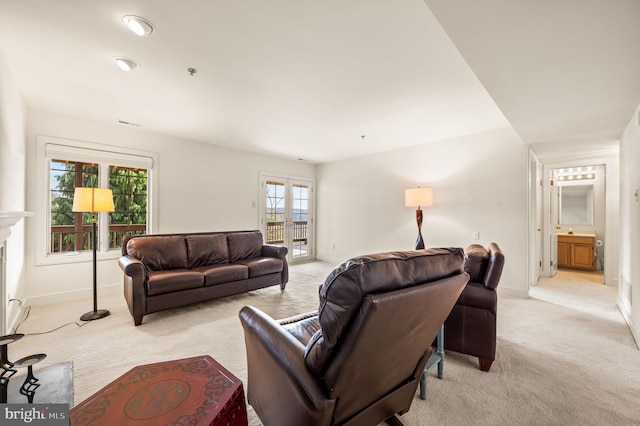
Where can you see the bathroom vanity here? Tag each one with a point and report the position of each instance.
(576, 251)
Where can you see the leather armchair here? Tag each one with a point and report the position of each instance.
(359, 358)
(471, 326)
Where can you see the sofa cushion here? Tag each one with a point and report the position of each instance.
(344, 288)
(476, 259)
(159, 253)
(244, 245)
(207, 249)
(259, 266)
(218, 274)
(160, 282)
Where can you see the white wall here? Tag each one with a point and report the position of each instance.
(479, 183)
(629, 290)
(201, 187)
(12, 183)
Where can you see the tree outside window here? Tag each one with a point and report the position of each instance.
(129, 186)
(71, 231)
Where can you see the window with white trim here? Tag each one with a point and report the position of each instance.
(127, 174)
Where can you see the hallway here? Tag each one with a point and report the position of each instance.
(583, 291)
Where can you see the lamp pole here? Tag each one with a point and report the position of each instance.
(95, 314)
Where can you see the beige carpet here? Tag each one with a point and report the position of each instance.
(565, 356)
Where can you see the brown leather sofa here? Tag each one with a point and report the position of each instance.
(359, 358)
(471, 326)
(164, 271)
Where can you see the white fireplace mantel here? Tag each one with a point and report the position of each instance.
(7, 220)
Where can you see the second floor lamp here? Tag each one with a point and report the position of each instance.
(93, 200)
(418, 197)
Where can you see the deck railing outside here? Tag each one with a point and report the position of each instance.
(275, 232)
(63, 238)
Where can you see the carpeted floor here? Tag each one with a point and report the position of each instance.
(565, 356)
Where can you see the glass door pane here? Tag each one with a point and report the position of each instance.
(275, 213)
(300, 238)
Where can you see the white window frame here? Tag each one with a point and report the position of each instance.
(48, 148)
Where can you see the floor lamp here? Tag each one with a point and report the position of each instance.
(418, 197)
(93, 200)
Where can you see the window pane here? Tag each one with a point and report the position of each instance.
(72, 231)
(129, 186)
(69, 231)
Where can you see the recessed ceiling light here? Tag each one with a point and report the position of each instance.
(138, 25)
(125, 63)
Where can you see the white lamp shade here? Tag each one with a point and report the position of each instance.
(418, 197)
(92, 200)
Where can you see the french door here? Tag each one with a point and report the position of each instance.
(287, 215)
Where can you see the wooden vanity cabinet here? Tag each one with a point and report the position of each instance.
(576, 251)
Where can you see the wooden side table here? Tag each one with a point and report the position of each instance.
(194, 391)
(436, 358)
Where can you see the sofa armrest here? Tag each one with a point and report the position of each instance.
(134, 289)
(278, 375)
(132, 267)
(269, 250)
(279, 252)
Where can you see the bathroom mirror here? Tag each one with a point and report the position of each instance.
(576, 205)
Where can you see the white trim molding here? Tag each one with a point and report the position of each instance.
(8, 219)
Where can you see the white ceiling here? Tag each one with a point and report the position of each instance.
(565, 73)
(307, 80)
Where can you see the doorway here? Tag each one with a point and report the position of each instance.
(578, 218)
(286, 215)
(605, 215)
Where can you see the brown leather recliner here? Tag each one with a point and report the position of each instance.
(359, 359)
(471, 326)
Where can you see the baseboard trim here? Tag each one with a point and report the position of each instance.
(16, 319)
(626, 314)
(506, 291)
(67, 296)
(18, 314)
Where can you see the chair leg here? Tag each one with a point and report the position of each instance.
(485, 364)
(394, 421)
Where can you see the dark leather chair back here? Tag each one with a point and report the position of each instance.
(484, 266)
(387, 346)
(494, 268)
(364, 351)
